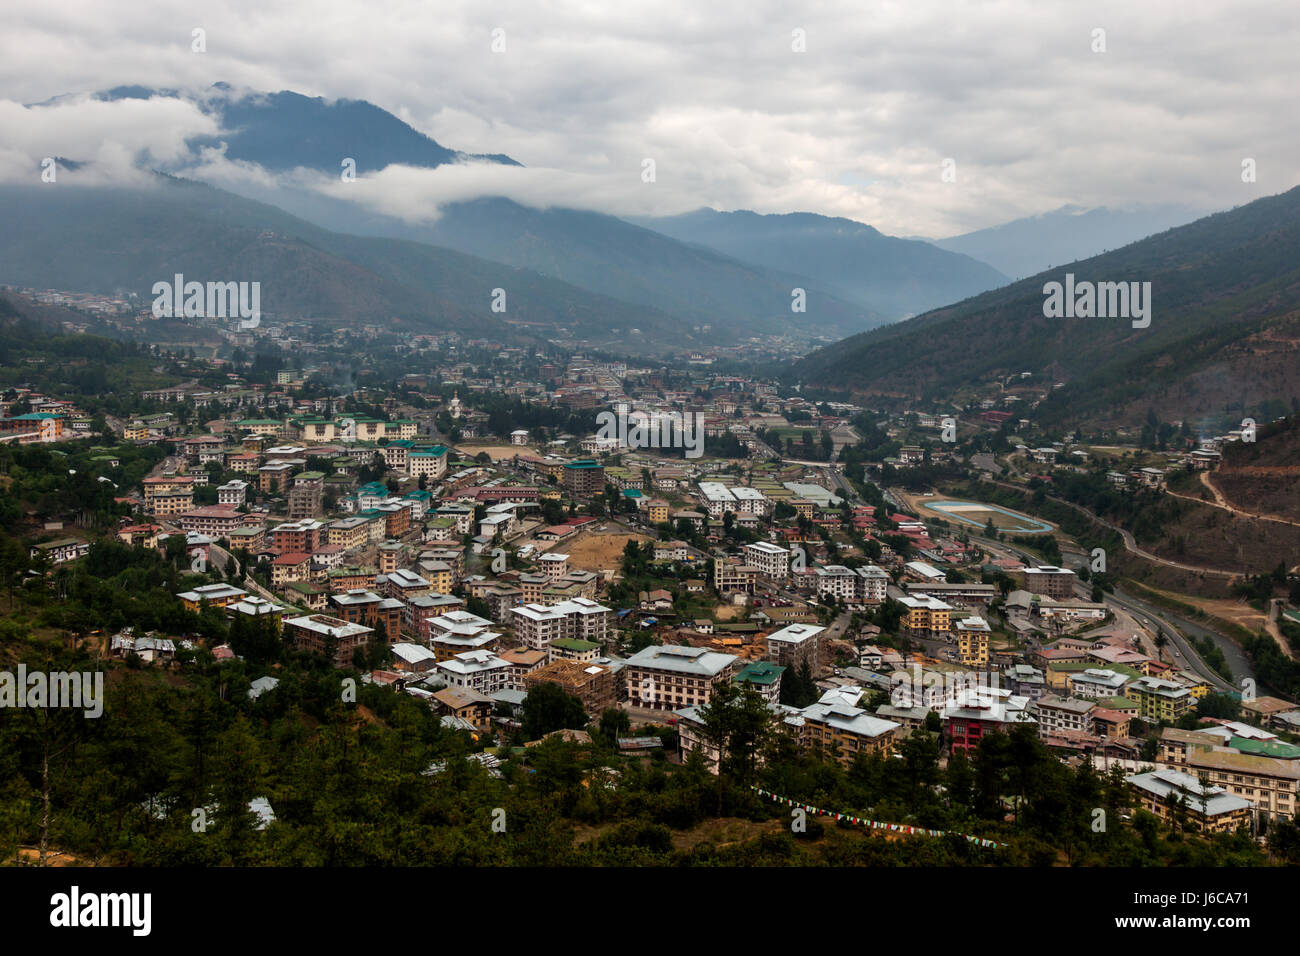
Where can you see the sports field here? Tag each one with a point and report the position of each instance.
(977, 515)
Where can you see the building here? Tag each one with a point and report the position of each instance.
(596, 685)
(336, 639)
(796, 645)
(845, 731)
(764, 677)
(214, 595)
(481, 670)
(772, 561)
(672, 677)
(926, 616)
(430, 463)
(290, 567)
(1173, 795)
(975, 713)
(584, 478)
(1160, 699)
(215, 521)
(1058, 715)
(383, 615)
(731, 576)
(973, 635)
(464, 704)
(62, 550)
(536, 626)
(233, 493)
(1055, 583)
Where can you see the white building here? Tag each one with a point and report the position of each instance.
(233, 493)
(581, 618)
(482, 671)
(771, 560)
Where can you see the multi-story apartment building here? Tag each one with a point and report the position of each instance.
(457, 631)
(583, 478)
(873, 584)
(772, 561)
(349, 533)
(430, 463)
(1167, 793)
(383, 615)
(480, 670)
(322, 634)
(973, 635)
(305, 535)
(233, 493)
(1053, 582)
(926, 616)
(1094, 683)
(764, 677)
(1057, 715)
(671, 677)
(845, 731)
(305, 495)
(731, 575)
(1160, 699)
(215, 521)
(975, 713)
(536, 625)
(795, 645)
(838, 582)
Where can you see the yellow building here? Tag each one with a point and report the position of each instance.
(973, 635)
(926, 615)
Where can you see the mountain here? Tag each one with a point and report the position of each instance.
(1223, 339)
(894, 277)
(286, 130)
(600, 253)
(111, 240)
(1025, 247)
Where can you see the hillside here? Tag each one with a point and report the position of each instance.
(1223, 340)
(1263, 476)
(1025, 247)
(106, 240)
(895, 277)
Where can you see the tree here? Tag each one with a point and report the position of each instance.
(737, 723)
(614, 723)
(548, 707)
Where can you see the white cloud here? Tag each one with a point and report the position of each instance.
(856, 126)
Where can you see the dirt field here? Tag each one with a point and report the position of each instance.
(1234, 612)
(495, 452)
(595, 552)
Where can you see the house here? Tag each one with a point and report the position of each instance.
(465, 703)
(62, 550)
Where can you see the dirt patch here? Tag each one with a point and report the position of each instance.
(595, 552)
(495, 452)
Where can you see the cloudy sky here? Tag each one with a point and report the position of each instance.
(846, 109)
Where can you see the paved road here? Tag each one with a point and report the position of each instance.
(1185, 656)
(1130, 543)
